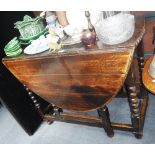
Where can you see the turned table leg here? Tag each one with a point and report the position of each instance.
(104, 115)
(143, 91)
(51, 109)
(35, 101)
(140, 59)
(134, 102)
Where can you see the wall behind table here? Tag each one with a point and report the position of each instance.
(150, 22)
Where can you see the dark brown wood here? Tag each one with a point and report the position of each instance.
(78, 82)
(104, 115)
(35, 101)
(122, 126)
(86, 120)
(143, 108)
(75, 79)
(133, 102)
(140, 58)
(84, 80)
(75, 118)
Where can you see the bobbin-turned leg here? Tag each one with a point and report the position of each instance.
(143, 91)
(140, 59)
(104, 115)
(51, 109)
(134, 103)
(35, 101)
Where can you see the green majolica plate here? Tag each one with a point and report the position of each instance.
(25, 42)
(15, 48)
(12, 44)
(14, 54)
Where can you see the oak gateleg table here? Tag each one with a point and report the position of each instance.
(80, 80)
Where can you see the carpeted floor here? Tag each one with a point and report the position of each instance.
(65, 133)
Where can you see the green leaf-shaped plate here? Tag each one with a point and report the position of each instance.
(26, 40)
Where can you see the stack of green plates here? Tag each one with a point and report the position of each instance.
(13, 48)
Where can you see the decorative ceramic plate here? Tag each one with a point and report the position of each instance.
(28, 40)
(25, 43)
(31, 49)
(14, 54)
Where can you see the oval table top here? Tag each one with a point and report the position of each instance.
(78, 79)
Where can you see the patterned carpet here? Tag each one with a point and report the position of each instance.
(65, 133)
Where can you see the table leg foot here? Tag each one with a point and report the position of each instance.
(50, 122)
(104, 115)
(139, 135)
(110, 134)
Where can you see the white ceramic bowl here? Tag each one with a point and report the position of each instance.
(116, 29)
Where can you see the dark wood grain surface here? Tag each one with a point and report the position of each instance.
(77, 79)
